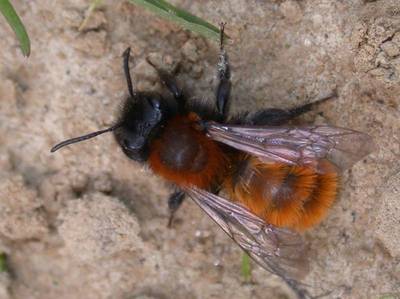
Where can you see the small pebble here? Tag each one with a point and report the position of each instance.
(291, 10)
(391, 49)
(190, 51)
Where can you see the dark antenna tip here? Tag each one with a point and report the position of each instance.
(127, 72)
(126, 52)
(222, 34)
(82, 138)
(53, 149)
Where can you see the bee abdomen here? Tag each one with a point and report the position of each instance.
(296, 197)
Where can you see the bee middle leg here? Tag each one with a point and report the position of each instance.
(174, 202)
(224, 76)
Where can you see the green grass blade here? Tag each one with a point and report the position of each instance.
(180, 16)
(14, 21)
(246, 267)
(93, 5)
(3, 260)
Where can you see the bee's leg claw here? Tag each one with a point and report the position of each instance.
(174, 202)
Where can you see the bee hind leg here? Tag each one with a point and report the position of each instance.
(224, 76)
(174, 202)
(278, 117)
(269, 117)
(297, 111)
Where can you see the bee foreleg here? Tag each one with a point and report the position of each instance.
(170, 83)
(174, 202)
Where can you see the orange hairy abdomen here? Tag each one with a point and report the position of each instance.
(184, 155)
(296, 197)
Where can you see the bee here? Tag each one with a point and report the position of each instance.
(277, 180)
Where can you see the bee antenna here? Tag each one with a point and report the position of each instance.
(84, 137)
(127, 72)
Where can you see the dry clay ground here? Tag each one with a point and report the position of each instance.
(87, 223)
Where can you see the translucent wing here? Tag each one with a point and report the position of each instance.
(277, 250)
(295, 145)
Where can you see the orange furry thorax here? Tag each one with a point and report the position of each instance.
(184, 155)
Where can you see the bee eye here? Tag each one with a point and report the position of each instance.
(155, 103)
(125, 143)
(134, 144)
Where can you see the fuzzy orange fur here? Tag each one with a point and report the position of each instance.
(205, 178)
(324, 195)
(297, 197)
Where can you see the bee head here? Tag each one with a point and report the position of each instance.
(142, 116)
(141, 120)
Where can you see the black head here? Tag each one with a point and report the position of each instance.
(141, 120)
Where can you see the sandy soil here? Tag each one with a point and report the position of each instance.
(87, 223)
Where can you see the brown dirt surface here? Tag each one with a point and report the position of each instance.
(86, 222)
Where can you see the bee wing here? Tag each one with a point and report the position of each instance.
(295, 145)
(279, 251)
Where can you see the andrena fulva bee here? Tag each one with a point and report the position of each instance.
(279, 179)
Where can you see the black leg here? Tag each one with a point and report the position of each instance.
(269, 117)
(169, 81)
(174, 202)
(224, 75)
(126, 56)
(294, 112)
(278, 117)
